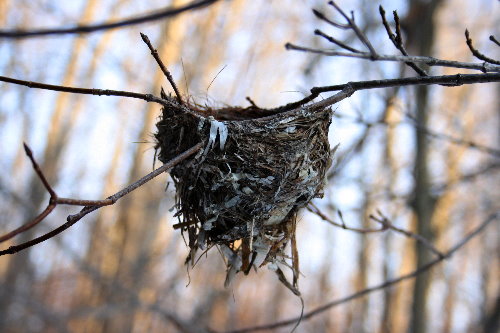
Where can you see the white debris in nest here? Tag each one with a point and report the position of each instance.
(262, 249)
(278, 214)
(217, 128)
(308, 174)
(232, 202)
(234, 263)
(209, 223)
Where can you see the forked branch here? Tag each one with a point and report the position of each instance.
(90, 205)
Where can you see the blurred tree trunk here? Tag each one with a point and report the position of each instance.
(420, 27)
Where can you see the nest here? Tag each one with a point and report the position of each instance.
(242, 191)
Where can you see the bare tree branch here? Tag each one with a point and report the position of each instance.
(397, 39)
(164, 69)
(72, 219)
(476, 52)
(361, 36)
(53, 201)
(385, 225)
(494, 40)
(381, 286)
(455, 80)
(85, 29)
(430, 61)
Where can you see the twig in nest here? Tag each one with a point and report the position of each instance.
(476, 52)
(90, 205)
(164, 69)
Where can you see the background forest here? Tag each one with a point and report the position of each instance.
(426, 157)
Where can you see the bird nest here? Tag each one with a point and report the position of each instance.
(243, 190)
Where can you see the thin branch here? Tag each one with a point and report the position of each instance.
(38, 171)
(384, 221)
(494, 40)
(336, 41)
(53, 201)
(86, 91)
(322, 17)
(456, 80)
(445, 186)
(72, 219)
(385, 225)
(164, 69)
(430, 61)
(397, 39)
(361, 36)
(458, 141)
(315, 210)
(381, 286)
(85, 29)
(476, 52)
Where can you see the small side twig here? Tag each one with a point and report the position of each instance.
(476, 52)
(384, 221)
(385, 225)
(494, 40)
(53, 201)
(164, 69)
(315, 210)
(322, 17)
(336, 41)
(397, 39)
(361, 36)
(92, 205)
(430, 61)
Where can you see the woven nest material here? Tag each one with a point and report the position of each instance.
(242, 191)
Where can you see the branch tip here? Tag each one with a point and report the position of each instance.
(28, 150)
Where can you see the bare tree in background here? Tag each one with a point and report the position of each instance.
(426, 159)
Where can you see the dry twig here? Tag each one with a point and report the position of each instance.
(476, 52)
(397, 39)
(164, 69)
(90, 205)
(385, 225)
(430, 61)
(53, 201)
(85, 29)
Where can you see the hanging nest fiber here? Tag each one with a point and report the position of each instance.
(242, 191)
